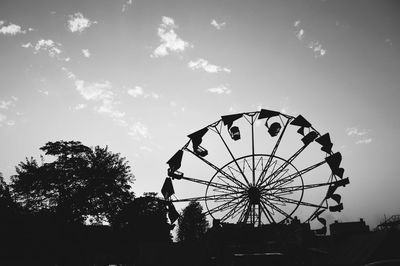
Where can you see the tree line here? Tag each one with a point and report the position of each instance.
(52, 203)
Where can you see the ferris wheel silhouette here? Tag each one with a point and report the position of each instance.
(260, 186)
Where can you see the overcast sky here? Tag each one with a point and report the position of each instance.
(140, 75)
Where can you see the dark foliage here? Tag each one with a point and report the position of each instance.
(81, 183)
(145, 220)
(192, 223)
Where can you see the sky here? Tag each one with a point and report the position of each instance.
(140, 75)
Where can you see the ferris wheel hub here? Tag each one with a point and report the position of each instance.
(254, 195)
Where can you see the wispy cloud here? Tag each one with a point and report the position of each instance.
(11, 29)
(206, 66)
(52, 48)
(126, 5)
(217, 25)
(221, 89)
(145, 148)
(364, 141)
(136, 92)
(4, 121)
(5, 105)
(170, 41)
(78, 23)
(45, 92)
(27, 45)
(389, 41)
(355, 131)
(86, 53)
(139, 130)
(49, 46)
(79, 107)
(140, 92)
(361, 135)
(314, 45)
(317, 48)
(106, 103)
(100, 93)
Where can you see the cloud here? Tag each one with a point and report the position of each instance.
(389, 41)
(86, 53)
(78, 23)
(27, 45)
(52, 48)
(314, 45)
(100, 93)
(10, 29)
(170, 41)
(140, 92)
(364, 141)
(94, 91)
(126, 5)
(355, 131)
(210, 68)
(137, 91)
(317, 48)
(79, 107)
(139, 130)
(221, 89)
(45, 92)
(5, 121)
(145, 148)
(2, 118)
(10, 123)
(5, 104)
(300, 34)
(299, 31)
(217, 25)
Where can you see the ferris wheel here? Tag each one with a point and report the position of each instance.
(262, 167)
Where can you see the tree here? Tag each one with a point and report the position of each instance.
(80, 183)
(192, 223)
(7, 205)
(145, 220)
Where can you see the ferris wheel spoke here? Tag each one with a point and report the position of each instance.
(273, 206)
(252, 151)
(266, 212)
(286, 179)
(272, 177)
(268, 164)
(212, 184)
(233, 158)
(297, 188)
(231, 178)
(230, 203)
(244, 215)
(233, 212)
(226, 196)
(295, 202)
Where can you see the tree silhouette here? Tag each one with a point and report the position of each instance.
(192, 223)
(145, 220)
(81, 183)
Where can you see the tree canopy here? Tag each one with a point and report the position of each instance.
(146, 219)
(80, 183)
(192, 223)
